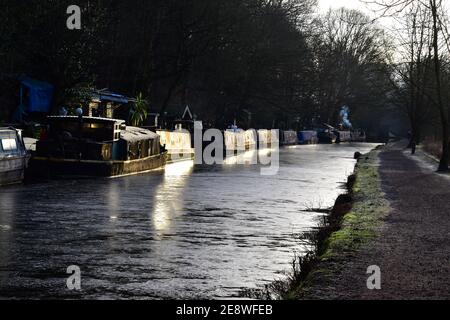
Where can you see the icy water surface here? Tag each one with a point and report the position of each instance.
(183, 232)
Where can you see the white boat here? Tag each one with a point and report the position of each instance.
(13, 156)
(178, 144)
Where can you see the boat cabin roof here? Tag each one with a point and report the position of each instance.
(7, 132)
(134, 134)
(10, 142)
(127, 133)
(87, 119)
(7, 129)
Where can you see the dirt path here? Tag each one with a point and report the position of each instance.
(413, 246)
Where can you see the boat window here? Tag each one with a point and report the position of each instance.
(9, 144)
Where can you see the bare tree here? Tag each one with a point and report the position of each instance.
(443, 165)
(350, 54)
(412, 75)
(433, 8)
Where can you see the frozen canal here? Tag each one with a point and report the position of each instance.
(183, 232)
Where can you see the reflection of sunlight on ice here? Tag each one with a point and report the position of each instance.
(266, 152)
(181, 168)
(248, 157)
(113, 197)
(161, 216)
(168, 197)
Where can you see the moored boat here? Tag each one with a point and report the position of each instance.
(238, 140)
(359, 135)
(13, 156)
(326, 136)
(288, 138)
(343, 136)
(268, 138)
(91, 146)
(178, 144)
(308, 137)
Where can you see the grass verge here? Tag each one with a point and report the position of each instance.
(352, 223)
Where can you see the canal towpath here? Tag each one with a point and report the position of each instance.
(412, 245)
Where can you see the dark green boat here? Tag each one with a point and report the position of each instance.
(90, 146)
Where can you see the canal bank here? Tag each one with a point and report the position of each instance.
(398, 223)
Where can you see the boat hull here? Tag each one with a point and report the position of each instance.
(327, 138)
(12, 170)
(50, 167)
(182, 155)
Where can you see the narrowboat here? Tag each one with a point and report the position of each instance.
(13, 156)
(308, 137)
(268, 138)
(359, 135)
(177, 133)
(237, 140)
(92, 146)
(351, 136)
(178, 144)
(327, 135)
(288, 138)
(343, 136)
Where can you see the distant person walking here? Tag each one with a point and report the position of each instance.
(79, 113)
(412, 142)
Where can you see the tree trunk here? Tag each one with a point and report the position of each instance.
(443, 165)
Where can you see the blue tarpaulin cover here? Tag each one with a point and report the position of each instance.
(40, 95)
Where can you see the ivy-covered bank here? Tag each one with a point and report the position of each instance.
(351, 224)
